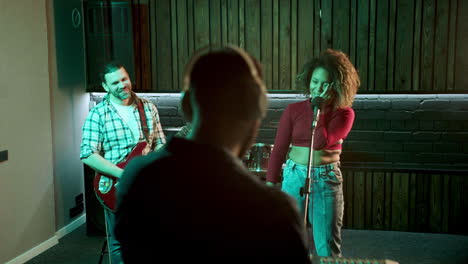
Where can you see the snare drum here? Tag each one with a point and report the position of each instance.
(257, 157)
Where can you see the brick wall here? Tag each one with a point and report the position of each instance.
(422, 132)
(408, 132)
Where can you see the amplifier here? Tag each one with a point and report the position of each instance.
(332, 260)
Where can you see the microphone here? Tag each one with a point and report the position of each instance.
(315, 105)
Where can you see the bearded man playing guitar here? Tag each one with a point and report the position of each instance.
(115, 130)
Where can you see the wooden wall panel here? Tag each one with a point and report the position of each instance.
(174, 46)
(284, 43)
(233, 22)
(388, 201)
(417, 46)
(353, 30)
(201, 21)
(381, 46)
(305, 32)
(142, 82)
(435, 203)
(445, 203)
(451, 45)
(378, 200)
(137, 41)
(455, 218)
(317, 28)
(369, 201)
(405, 201)
(341, 17)
(412, 202)
(266, 41)
(422, 198)
(392, 17)
(162, 55)
(372, 26)
(190, 28)
(397, 46)
(461, 55)
(427, 44)
(326, 30)
(241, 23)
(182, 41)
(224, 21)
(294, 28)
(253, 26)
(359, 191)
(276, 46)
(403, 40)
(458, 211)
(215, 22)
(362, 43)
(399, 216)
(146, 82)
(440, 46)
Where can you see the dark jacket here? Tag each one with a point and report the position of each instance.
(198, 203)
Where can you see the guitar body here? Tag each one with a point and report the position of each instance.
(109, 199)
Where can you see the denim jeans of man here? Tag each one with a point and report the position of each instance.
(326, 205)
(113, 246)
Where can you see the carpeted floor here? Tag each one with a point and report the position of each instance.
(404, 247)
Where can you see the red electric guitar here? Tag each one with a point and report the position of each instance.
(109, 198)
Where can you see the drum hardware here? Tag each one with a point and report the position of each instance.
(257, 157)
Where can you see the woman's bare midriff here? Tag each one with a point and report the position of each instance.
(300, 155)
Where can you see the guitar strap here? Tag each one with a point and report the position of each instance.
(144, 124)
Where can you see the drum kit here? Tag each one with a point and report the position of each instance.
(257, 157)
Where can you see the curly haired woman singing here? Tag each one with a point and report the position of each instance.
(332, 77)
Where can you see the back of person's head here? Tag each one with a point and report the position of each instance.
(224, 83)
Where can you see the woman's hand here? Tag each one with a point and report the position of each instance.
(327, 91)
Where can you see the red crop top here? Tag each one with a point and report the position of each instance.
(295, 128)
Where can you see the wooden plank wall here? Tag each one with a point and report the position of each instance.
(267, 29)
(397, 46)
(405, 201)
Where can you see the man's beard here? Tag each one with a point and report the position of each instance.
(121, 94)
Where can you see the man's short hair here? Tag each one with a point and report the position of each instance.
(226, 81)
(108, 68)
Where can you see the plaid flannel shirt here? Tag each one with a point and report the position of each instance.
(105, 133)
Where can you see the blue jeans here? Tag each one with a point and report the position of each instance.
(326, 205)
(113, 246)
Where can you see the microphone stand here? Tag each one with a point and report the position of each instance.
(306, 189)
(316, 102)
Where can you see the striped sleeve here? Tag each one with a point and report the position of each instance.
(159, 137)
(92, 135)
